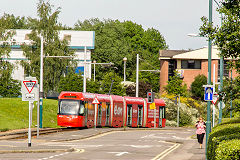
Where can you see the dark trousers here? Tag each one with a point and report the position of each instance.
(200, 138)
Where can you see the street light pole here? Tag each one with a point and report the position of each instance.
(124, 60)
(137, 71)
(84, 74)
(208, 124)
(41, 85)
(94, 64)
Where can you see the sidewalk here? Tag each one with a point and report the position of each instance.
(188, 150)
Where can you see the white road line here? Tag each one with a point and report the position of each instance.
(166, 152)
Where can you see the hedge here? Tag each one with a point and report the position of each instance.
(220, 131)
(218, 140)
(230, 121)
(228, 150)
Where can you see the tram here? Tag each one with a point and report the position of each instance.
(77, 109)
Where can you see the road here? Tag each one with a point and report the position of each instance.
(132, 144)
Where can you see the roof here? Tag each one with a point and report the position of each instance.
(201, 53)
(168, 54)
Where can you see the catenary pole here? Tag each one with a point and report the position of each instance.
(208, 123)
(41, 84)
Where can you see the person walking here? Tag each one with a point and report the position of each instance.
(201, 127)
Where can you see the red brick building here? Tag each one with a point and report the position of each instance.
(189, 64)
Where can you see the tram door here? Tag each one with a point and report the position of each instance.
(140, 115)
(86, 112)
(129, 115)
(99, 119)
(161, 115)
(107, 113)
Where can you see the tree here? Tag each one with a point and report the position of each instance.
(144, 87)
(175, 86)
(197, 86)
(115, 40)
(72, 82)
(111, 84)
(227, 36)
(8, 86)
(48, 27)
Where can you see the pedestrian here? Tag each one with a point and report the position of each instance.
(201, 127)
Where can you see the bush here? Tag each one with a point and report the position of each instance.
(219, 131)
(230, 121)
(197, 86)
(228, 150)
(217, 140)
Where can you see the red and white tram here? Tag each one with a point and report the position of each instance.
(76, 109)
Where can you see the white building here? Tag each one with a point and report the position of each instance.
(77, 41)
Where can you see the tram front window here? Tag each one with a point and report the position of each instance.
(69, 107)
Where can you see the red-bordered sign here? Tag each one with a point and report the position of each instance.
(95, 101)
(29, 85)
(215, 98)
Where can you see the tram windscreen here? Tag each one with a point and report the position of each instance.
(69, 107)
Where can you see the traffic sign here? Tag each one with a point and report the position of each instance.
(95, 101)
(30, 89)
(152, 106)
(208, 93)
(215, 98)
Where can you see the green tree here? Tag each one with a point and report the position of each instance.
(175, 86)
(72, 82)
(197, 86)
(111, 83)
(115, 40)
(47, 25)
(8, 86)
(227, 36)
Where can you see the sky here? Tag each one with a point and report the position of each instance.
(174, 19)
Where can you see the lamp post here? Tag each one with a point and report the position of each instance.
(124, 60)
(137, 72)
(94, 64)
(208, 124)
(84, 74)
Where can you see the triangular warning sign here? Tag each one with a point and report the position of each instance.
(95, 101)
(29, 85)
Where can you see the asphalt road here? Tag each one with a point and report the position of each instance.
(133, 144)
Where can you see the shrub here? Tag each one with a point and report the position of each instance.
(217, 140)
(197, 86)
(229, 121)
(218, 131)
(228, 150)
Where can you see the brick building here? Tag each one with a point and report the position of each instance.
(190, 64)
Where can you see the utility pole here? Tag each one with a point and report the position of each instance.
(137, 71)
(41, 84)
(208, 124)
(84, 74)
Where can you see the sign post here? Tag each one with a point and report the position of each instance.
(95, 102)
(30, 92)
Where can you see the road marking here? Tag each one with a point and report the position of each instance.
(119, 153)
(79, 150)
(140, 146)
(57, 155)
(166, 152)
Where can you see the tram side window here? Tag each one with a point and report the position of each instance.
(81, 110)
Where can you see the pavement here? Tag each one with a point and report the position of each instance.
(187, 149)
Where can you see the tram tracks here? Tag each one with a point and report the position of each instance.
(20, 134)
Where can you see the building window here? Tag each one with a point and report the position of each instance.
(67, 37)
(172, 65)
(191, 64)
